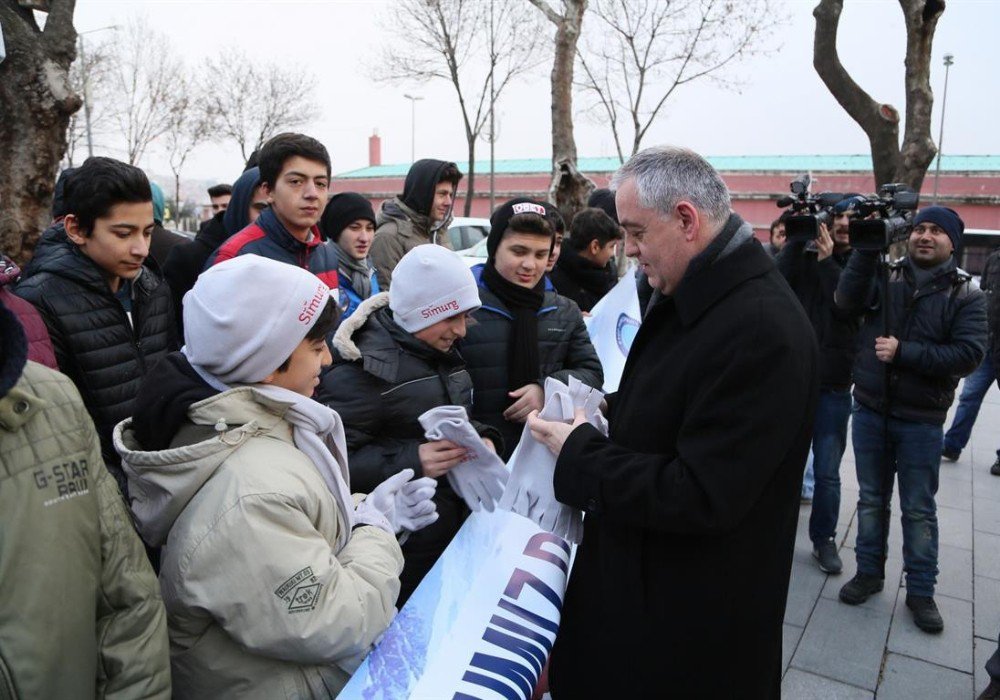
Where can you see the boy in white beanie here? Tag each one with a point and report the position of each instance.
(276, 580)
(395, 359)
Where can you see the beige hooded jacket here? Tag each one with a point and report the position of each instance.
(259, 603)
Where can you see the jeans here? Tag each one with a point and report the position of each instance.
(808, 478)
(914, 453)
(829, 442)
(975, 388)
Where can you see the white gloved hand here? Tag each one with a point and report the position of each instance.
(405, 503)
(480, 479)
(530, 490)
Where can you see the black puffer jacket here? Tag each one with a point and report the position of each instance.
(564, 350)
(381, 381)
(941, 327)
(95, 344)
(814, 281)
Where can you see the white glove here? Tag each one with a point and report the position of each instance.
(480, 479)
(404, 502)
(530, 490)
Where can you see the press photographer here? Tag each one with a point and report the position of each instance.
(812, 269)
(932, 331)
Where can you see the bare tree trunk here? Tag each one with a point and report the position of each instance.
(881, 121)
(36, 102)
(569, 188)
(470, 180)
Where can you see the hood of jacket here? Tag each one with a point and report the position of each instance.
(421, 181)
(370, 335)
(168, 391)
(163, 482)
(237, 214)
(408, 220)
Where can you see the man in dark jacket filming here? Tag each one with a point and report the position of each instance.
(692, 500)
(934, 332)
(813, 270)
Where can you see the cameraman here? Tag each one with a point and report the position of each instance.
(813, 270)
(934, 333)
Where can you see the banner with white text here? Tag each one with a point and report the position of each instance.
(482, 622)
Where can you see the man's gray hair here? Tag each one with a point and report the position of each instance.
(664, 175)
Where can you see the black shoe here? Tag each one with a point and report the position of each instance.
(925, 613)
(860, 588)
(995, 469)
(951, 455)
(992, 692)
(826, 554)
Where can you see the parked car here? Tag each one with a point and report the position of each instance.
(465, 233)
(474, 255)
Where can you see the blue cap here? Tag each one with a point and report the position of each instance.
(947, 219)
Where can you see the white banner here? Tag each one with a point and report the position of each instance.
(613, 323)
(482, 622)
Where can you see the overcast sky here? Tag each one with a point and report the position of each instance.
(781, 108)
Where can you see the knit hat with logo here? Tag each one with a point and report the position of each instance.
(245, 316)
(430, 284)
(504, 213)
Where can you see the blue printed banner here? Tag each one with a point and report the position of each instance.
(612, 325)
(482, 622)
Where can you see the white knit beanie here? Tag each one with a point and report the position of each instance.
(429, 284)
(245, 316)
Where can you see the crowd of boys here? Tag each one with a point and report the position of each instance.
(241, 417)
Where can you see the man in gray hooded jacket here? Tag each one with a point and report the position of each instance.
(420, 215)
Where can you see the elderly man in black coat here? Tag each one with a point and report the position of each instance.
(691, 502)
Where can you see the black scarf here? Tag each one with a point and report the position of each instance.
(523, 365)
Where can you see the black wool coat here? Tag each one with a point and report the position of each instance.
(691, 503)
(96, 346)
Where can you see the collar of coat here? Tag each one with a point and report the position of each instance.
(706, 283)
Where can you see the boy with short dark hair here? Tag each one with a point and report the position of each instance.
(108, 314)
(583, 273)
(295, 176)
(524, 333)
(420, 215)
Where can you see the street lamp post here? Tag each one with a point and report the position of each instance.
(413, 126)
(949, 59)
(86, 90)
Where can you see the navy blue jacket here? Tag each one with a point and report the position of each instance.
(941, 327)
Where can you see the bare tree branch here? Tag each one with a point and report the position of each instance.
(640, 52)
(880, 122)
(451, 40)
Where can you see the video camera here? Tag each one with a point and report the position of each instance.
(808, 210)
(895, 205)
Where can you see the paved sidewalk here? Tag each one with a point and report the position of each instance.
(832, 650)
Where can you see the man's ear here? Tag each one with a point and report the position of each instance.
(594, 248)
(689, 218)
(73, 231)
(268, 192)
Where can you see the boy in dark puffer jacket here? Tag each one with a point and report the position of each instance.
(395, 359)
(108, 314)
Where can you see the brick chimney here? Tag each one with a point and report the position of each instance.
(374, 149)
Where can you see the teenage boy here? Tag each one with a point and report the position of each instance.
(220, 195)
(276, 584)
(583, 273)
(295, 177)
(349, 224)
(109, 315)
(523, 333)
(559, 226)
(80, 613)
(420, 215)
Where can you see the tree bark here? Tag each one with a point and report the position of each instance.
(880, 122)
(36, 102)
(569, 188)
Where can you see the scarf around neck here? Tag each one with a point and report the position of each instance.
(317, 432)
(523, 364)
(359, 272)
